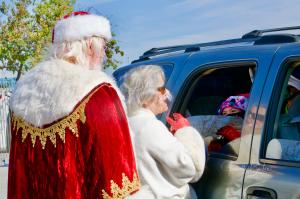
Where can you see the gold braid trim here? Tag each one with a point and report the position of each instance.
(57, 128)
(127, 188)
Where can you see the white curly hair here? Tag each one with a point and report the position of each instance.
(140, 85)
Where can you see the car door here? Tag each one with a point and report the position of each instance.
(274, 169)
(224, 173)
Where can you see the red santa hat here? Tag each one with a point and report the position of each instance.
(80, 25)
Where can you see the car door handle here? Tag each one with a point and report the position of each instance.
(261, 193)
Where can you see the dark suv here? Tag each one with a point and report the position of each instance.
(264, 161)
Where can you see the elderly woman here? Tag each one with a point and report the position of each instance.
(166, 162)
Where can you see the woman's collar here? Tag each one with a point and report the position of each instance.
(143, 111)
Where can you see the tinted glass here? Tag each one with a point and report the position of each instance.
(215, 105)
(283, 141)
(119, 74)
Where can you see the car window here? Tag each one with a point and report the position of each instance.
(215, 103)
(283, 138)
(119, 74)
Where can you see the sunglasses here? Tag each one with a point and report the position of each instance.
(162, 90)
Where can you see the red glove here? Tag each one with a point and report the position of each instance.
(178, 122)
(229, 133)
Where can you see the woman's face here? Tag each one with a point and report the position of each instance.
(158, 104)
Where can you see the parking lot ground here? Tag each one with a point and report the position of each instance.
(3, 174)
(3, 182)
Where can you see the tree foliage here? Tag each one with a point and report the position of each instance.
(112, 49)
(26, 29)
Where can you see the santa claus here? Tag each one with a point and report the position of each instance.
(70, 137)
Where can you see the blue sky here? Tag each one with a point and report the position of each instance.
(140, 25)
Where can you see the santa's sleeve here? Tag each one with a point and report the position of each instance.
(110, 154)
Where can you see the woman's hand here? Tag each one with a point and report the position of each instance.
(229, 133)
(178, 122)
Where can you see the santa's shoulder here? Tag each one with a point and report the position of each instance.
(52, 89)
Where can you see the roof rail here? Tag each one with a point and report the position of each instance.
(255, 36)
(191, 47)
(277, 39)
(258, 33)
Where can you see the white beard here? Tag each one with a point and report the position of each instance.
(96, 68)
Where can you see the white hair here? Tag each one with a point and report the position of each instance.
(78, 51)
(140, 85)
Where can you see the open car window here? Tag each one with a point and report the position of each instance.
(208, 93)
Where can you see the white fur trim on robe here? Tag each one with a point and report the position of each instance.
(193, 142)
(52, 89)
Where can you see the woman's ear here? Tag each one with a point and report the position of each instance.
(147, 103)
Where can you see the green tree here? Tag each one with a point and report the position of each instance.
(26, 29)
(111, 50)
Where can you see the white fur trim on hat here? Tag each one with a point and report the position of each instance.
(81, 26)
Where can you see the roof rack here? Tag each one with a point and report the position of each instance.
(190, 47)
(255, 36)
(257, 33)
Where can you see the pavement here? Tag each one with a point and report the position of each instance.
(3, 182)
(3, 174)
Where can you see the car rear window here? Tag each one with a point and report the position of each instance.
(119, 74)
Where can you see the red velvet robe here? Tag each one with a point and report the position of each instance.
(87, 154)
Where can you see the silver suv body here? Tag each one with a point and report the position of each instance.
(264, 162)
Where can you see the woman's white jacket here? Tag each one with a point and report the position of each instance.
(165, 162)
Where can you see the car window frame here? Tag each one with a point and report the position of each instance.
(272, 114)
(190, 82)
(124, 70)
